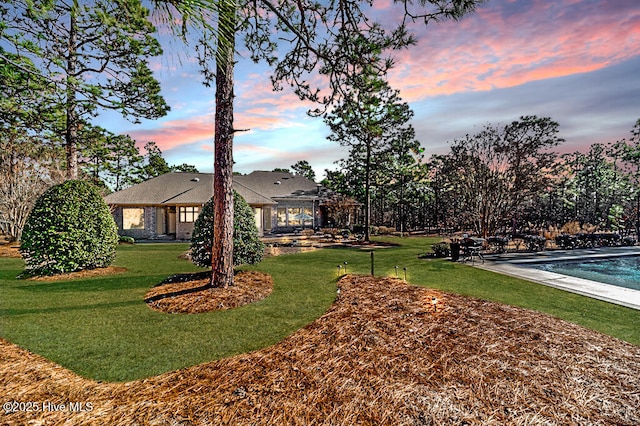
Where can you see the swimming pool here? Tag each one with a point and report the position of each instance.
(619, 271)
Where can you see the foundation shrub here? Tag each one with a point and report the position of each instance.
(247, 247)
(70, 228)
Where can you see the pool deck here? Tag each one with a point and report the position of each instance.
(509, 264)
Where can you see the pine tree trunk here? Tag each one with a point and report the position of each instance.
(367, 192)
(222, 250)
(71, 136)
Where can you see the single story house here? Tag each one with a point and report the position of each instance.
(167, 206)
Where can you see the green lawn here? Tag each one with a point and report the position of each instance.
(101, 328)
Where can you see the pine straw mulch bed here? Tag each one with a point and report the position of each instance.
(191, 293)
(9, 250)
(380, 355)
(86, 273)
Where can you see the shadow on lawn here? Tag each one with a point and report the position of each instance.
(181, 278)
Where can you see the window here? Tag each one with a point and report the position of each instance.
(188, 214)
(295, 216)
(307, 216)
(133, 218)
(282, 216)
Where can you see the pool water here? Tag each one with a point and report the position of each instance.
(620, 271)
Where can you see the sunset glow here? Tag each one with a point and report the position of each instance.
(461, 75)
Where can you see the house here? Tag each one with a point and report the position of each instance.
(167, 206)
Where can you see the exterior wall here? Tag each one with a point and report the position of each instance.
(267, 218)
(168, 217)
(149, 230)
(184, 230)
(257, 217)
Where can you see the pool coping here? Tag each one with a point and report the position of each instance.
(510, 264)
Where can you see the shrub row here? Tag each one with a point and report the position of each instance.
(584, 240)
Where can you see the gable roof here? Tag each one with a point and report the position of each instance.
(257, 188)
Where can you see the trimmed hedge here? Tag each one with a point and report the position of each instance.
(70, 228)
(247, 247)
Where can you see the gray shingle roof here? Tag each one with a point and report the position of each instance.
(278, 184)
(257, 188)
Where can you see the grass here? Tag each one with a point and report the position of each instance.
(101, 329)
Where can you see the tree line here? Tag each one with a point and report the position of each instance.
(503, 180)
(32, 161)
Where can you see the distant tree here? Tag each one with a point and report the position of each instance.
(109, 158)
(599, 185)
(155, 165)
(631, 157)
(372, 121)
(94, 53)
(124, 161)
(29, 147)
(303, 168)
(493, 175)
(337, 181)
(184, 168)
(94, 151)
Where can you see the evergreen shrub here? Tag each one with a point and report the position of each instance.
(247, 247)
(441, 249)
(70, 228)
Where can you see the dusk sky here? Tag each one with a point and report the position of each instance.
(576, 61)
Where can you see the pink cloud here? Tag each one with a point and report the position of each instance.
(173, 133)
(504, 47)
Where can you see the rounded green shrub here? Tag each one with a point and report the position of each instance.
(247, 247)
(70, 228)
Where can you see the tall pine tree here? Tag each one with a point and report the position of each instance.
(94, 52)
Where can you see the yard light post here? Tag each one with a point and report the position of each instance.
(339, 269)
(396, 271)
(372, 256)
(434, 302)
(345, 267)
(405, 273)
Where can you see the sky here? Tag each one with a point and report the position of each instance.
(576, 61)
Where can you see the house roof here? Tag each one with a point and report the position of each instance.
(257, 188)
(279, 184)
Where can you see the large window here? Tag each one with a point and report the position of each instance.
(282, 216)
(307, 216)
(133, 218)
(295, 216)
(188, 214)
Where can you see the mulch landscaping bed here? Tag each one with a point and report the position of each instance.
(87, 273)
(380, 355)
(191, 293)
(9, 250)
